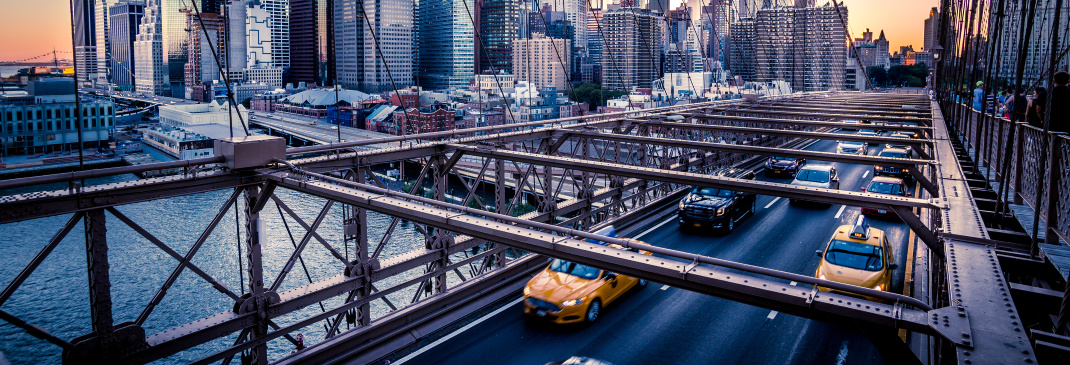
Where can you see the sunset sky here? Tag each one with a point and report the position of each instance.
(32, 28)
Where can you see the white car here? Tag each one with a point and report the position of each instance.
(853, 148)
(816, 176)
(334, 127)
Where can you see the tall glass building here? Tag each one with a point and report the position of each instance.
(359, 61)
(499, 23)
(150, 65)
(446, 44)
(124, 18)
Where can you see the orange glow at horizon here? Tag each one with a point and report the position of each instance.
(33, 28)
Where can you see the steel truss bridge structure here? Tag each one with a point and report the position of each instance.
(580, 174)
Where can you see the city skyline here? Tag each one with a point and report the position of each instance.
(900, 22)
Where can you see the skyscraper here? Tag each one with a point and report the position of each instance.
(594, 41)
(85, 40)
(360, 63)
(206, 41)
(279, 22)
(536, 61)
(499, 24)
(633, 38)
(312, 42)
(175, 40)
(124, 20)
(102, 34)
(1037, 57)
(446, 44)
(803, 46)
(150, 68)
(931, 28)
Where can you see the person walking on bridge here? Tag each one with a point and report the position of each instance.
(1035, 114)
(979, 97)
(1060, 103)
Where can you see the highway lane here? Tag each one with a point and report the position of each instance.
(665, 325)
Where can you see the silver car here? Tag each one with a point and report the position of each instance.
(853, 148)
(816, 176)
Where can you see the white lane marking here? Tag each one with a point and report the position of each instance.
(772, 202)
(840, 212)
(457, 332)
(654, 228)
(793, 283)
(772, 314)
(841, 358)
(663, 287)
(865, 174)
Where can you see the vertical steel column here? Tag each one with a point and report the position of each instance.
(96, 248)
(501, 199)
(364, 313)
(439, 242)
(253, 255)
(1052, 218)
(1019, 151)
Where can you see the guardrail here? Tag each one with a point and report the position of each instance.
(1014, 152)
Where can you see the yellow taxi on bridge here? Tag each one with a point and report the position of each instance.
(857, 255)
(568, 292)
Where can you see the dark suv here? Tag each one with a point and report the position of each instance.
(783, 166)
(713, 208)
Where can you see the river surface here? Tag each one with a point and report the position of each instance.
(55, 297)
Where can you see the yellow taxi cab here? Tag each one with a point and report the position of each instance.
(568, 292)
(857, 255)
(312, 123)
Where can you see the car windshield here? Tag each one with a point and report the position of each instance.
(893, 154)
(867, 131)
(883, 188)
(574, 269)
(851, 144)
(813, 175)
(712, 192)
(782, 158)
(855, 255)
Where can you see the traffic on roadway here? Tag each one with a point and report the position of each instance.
(658, 324)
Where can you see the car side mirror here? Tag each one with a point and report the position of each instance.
(610, 276)
(863, 189)
(910, 195)
(820, 253)
(893, 266)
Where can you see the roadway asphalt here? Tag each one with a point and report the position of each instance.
(664, 325)
(321, 131)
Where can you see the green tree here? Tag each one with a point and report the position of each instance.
(247, 102)
(593, 95)
(877, 75)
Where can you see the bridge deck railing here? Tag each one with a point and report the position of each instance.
(1016, 153)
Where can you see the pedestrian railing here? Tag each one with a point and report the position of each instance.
(1017, 153)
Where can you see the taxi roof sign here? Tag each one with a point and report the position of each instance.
(608, 231)
(860, 230)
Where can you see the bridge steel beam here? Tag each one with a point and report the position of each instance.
(860, 199)
(974, 278)
(684, 270)
(823, 115)
(15, 208)
(905, 164)
(918, 143)
(816, 123)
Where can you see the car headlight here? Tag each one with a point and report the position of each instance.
(878, 168)
(527, 291)
(682, 205)
(574, 302)
(879, 287)
(720, 211)
(822, 276)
